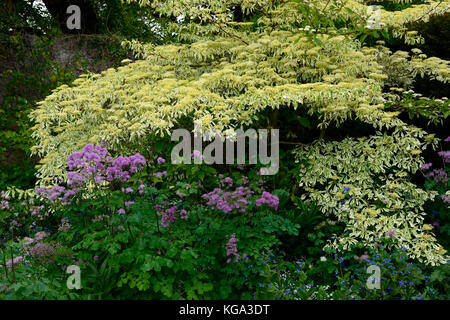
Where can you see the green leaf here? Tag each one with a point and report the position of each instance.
(317, 41)
(363, 37)
(305, 122)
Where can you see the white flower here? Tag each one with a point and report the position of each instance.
(323, 259)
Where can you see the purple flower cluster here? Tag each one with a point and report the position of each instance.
(90, 162)
(128, 204)
(445, 198)
(426, 166)
(445, 155)
(16, 224)
(391, 233)
(56, 193)
(123, 168)
(22, 212)
(36, 210)
(171, 214)
(197, 154)
(181, 194)
(268, 199)
(160, 174)
(94, 162)
(36, 248)
(227, 182)
(14, 261)
(231, 248)
(41, 235)
(168, 216)
(438, 175)
(43, 251)
(141, 187)
(65, 225)
(183, 214)
(227, 201)
(4, 203)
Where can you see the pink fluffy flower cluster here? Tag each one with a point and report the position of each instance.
(227, 201)
(268, 199)
(4, 201)
(438, 175)
(93, 162)
(238, 199)
(445, 198)
(14, 261)
(445, 156)
(170, 214)
(231, 248)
